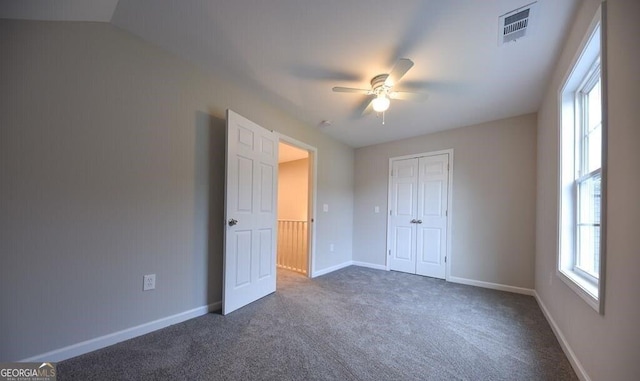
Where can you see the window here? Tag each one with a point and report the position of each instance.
(589, 175)
(582, 138)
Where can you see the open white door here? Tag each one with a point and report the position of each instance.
(250, 213)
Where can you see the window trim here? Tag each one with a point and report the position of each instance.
(580, 74)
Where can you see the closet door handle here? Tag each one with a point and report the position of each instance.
(414, 221)
(232, 222)
(419, 222)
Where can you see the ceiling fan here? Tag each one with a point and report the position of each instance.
(382, 89)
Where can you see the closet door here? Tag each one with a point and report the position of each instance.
(431, 235)
(419, 191)
(404, 186)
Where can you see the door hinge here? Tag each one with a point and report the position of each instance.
(390, 212)
(445, 259)
(389, 252)
(391, 174)
(446, 213)
(447, 166)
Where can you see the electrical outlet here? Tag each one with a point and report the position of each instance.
(332, 248)
(376, 209)
(148, 282)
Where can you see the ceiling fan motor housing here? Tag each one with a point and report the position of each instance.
(378, 85)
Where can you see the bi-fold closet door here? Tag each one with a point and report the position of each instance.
(418, 215)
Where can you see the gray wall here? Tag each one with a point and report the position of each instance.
(493, 216)
(112, 167)
(608, 347)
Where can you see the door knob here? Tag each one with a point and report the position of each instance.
(232, 222)
(414, 221)
(419, 222)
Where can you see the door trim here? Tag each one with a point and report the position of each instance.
(311, 207)
(449, 204)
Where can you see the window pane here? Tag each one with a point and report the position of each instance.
(588, 258)
(595, 106)
(594, 149)
(589, 255)
(593, 133)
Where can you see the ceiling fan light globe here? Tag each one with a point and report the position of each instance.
(380, 104)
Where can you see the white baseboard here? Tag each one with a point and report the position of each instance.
(331, 269)
(369, 265)
(575, 363)
(493, 286)
(347, 264)
(116, 337)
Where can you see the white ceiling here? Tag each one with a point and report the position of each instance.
(292, 52)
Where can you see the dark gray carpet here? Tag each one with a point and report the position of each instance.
(353, 324)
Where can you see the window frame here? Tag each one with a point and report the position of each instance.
(588, 65)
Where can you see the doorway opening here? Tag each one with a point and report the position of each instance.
(295, 207)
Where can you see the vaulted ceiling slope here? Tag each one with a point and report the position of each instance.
(58, 10)
(293, 52)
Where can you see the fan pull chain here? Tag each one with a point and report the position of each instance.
(383, 117)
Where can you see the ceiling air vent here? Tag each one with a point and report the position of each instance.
(516, 24)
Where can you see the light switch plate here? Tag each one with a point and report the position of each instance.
(148, 282)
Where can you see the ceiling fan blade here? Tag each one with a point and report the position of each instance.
(406, 95)
(338, 89)
(401, 68)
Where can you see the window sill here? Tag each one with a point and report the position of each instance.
(585, 289)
